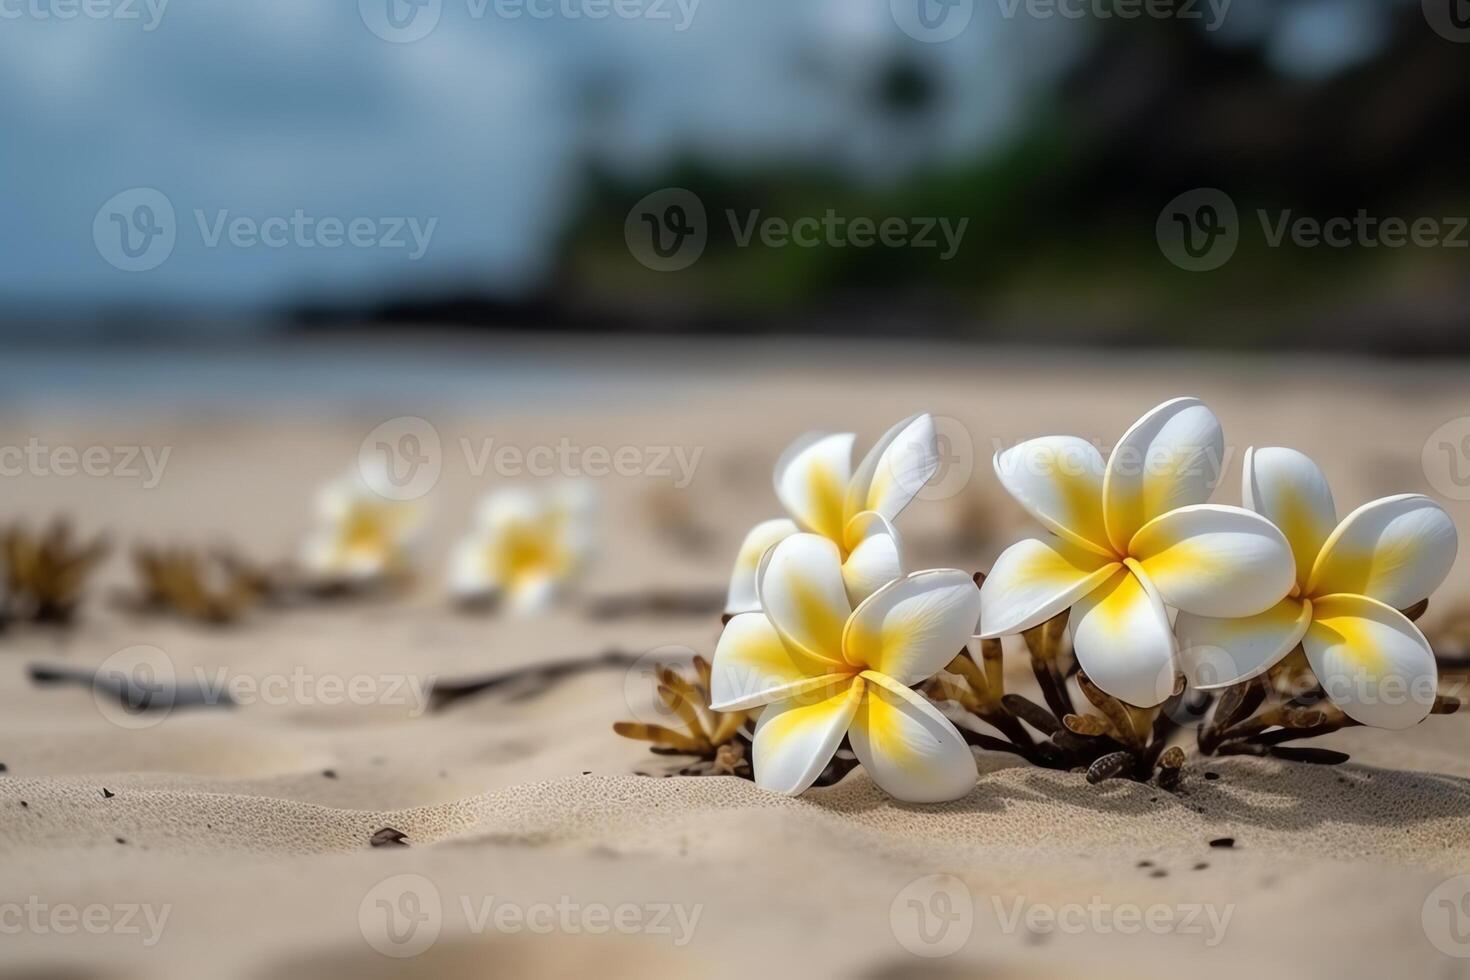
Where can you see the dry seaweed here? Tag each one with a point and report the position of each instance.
(46, 573)
(1118, 741)
(716, 740)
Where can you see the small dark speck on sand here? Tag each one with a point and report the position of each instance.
(120, 840)
(4, 767)
(1212, 775)
(24, 804)
(1223, 842)
(107, 794)
(388, 837)
(1158, 873)
(1145, 864)
(330, 773)
(1201, 865)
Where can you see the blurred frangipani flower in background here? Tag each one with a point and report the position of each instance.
(1350, 581)
(364, 535)
(527, 546)
(822, 494)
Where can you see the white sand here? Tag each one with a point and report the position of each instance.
(263, 862)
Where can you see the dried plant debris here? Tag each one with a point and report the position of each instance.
(1118, 740)
(1286, 704)
(658, 602)
(46, 573)
(674, 520)
(388, 837)
(136, 691)
(525, 683)
(216, 586)
(717, 741)
(1451, 641)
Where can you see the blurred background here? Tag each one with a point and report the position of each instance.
(1021, 171)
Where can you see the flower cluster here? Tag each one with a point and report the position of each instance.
(1159, 587)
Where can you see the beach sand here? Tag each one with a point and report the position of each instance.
(532, 846)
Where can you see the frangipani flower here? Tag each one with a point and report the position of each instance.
(1131, 538)
(1350, 581)
(526, 546)
(824, 670)
(363, 535)
(854, 510)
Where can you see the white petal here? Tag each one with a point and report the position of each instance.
(508, 505)
(531, 594)
(875, 555)
(1215, 561)
(1215, 653)
(802, 592)
(1288, 489)
(895, 469)
(1172, 457)
(795, 739)
(811, 481)
(471, 576)
(1122, 639)
(742, 596)
(911, 628)
(1034, 580)
(1373, 663)
(1396, 550)
(753, 667)
(1059, 480)
(909, 748)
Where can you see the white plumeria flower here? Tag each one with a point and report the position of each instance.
(526, 546)
(363, 534)
(816, 484)
(1131, 538)
(1350, 581)
(824, 670)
